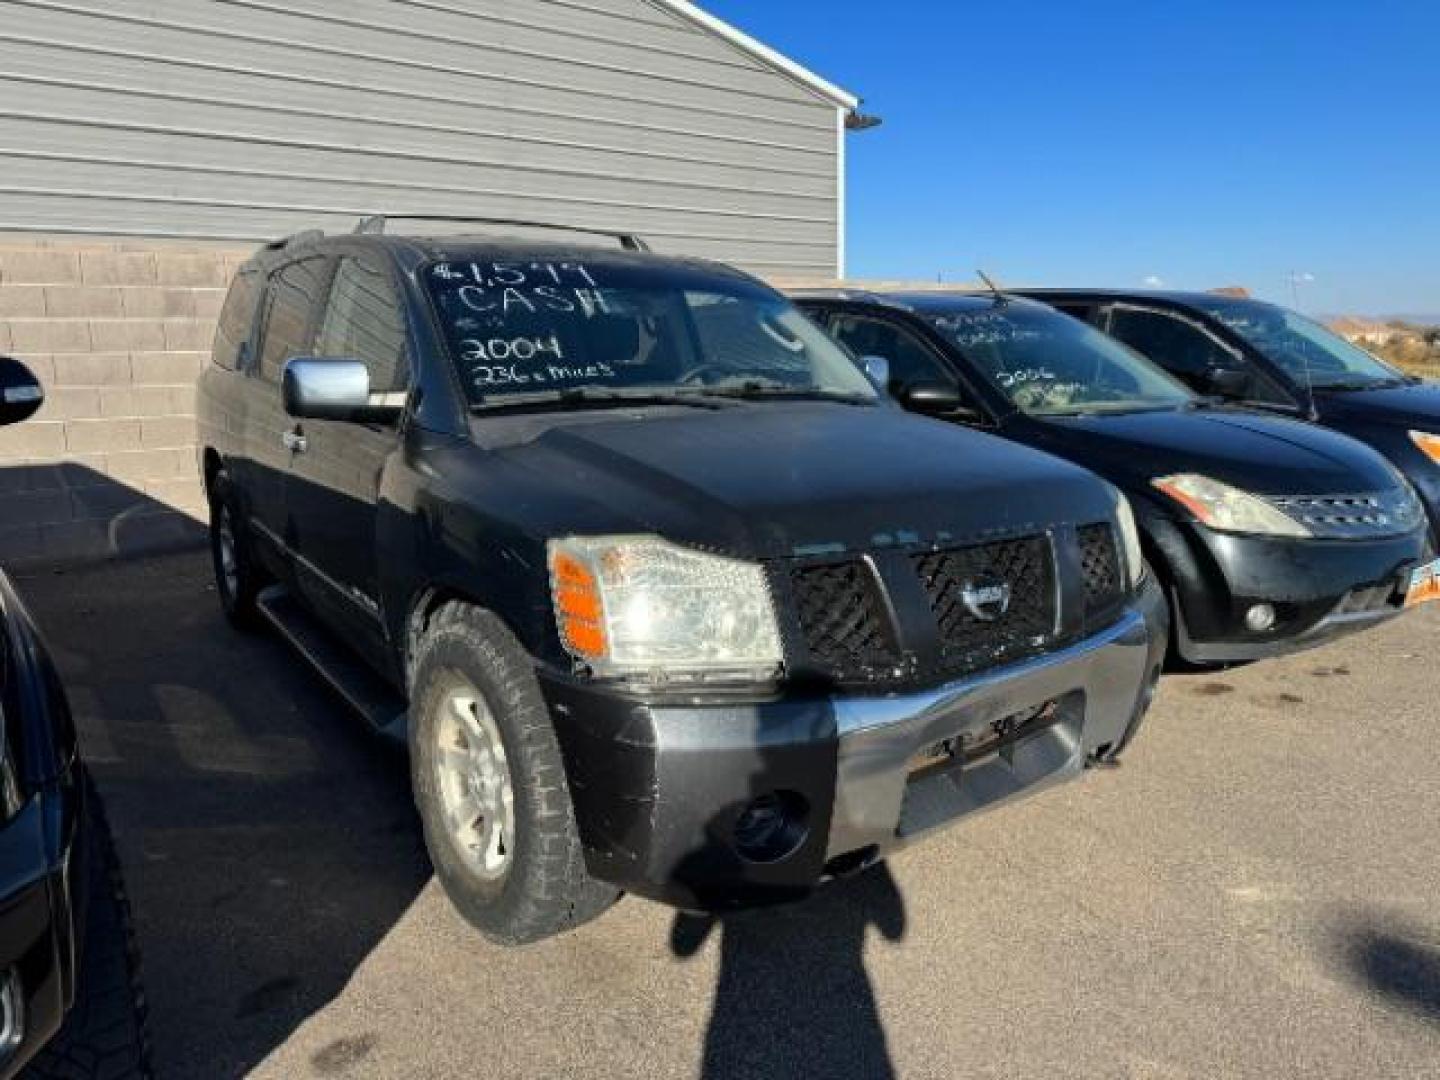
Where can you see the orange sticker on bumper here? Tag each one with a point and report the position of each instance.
(1424, 585)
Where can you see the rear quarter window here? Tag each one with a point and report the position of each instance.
(237, 318)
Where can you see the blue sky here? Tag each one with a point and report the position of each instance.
(1200, 143)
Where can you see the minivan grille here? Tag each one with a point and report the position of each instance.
(1354, 517)
(1100, 562)
(971, 629)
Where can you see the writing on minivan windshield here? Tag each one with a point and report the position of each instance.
(531, 328)
(1050, 364)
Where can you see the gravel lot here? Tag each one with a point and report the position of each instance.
(1256, 893)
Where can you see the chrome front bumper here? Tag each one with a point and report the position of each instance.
(1101, 688)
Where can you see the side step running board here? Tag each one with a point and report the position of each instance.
(362, 689)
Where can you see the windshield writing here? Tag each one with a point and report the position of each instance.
(1048, 363)
(538, 327)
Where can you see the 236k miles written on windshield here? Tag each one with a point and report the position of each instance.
(522, 328)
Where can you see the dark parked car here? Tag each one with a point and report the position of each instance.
(70, 1002)
(1269, 535)
(1269, 357)
(665, 594)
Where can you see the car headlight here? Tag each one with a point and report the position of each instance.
(1227, 508)
(1429, 444)
(1130, 540)
(641, 606)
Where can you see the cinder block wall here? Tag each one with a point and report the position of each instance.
(117, 331)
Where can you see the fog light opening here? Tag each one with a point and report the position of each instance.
(772, 827)
(1261, 618)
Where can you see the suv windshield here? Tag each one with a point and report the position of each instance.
(1305, 350)
(1049, 364)
(521, 330)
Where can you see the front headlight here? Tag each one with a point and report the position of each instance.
(641, 606)
(1429, 444)
(1227, 508)
(1130, 540)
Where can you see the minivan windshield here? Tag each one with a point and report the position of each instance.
(1049, 364)
(1306, 351)
(567, 330)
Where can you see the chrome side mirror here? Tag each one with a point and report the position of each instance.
(21, 394)
(317, 388)
(877, 370)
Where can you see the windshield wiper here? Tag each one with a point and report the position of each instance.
(764, 391)
(1347, 385)
(590, 396)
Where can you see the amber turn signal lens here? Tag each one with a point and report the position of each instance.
(1428, 443)
(577, 606)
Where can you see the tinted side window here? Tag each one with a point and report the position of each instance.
(236, 319)
(363, 321)
(911, 361)
(294, 292)
(1181, 349)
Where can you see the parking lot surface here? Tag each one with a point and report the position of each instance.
(1255, 893)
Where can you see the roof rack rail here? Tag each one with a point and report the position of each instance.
(374, 225)
(305, 236)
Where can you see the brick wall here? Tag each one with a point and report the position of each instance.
(117, 332)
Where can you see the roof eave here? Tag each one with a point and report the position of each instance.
(841, 98)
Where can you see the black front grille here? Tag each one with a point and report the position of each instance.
(990, 602)
(1100, 561)
(842, 615)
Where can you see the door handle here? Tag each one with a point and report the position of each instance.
(295, 442)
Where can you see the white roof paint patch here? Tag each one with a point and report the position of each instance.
(760, 51)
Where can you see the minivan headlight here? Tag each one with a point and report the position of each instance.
(1130, 540)
(642, 606)
(1227, 508)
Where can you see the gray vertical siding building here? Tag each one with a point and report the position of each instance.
(241, 119)
(146, 145)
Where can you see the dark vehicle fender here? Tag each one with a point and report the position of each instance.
(445, 549)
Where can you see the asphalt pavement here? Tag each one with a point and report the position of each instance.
(1256, 893)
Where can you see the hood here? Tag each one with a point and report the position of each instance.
(1416, 406)
(1260, 453)
(772, 480)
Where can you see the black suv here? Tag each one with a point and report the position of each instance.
(70, 1002)
(665, 596)
(1270, 535)
(1269, 357)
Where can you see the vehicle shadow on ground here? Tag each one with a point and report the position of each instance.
(793, 997)
(1403, 968)
(268, 841)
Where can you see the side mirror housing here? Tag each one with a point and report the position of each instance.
(877, 370)
(319, 388)
(934, 399)
(21, 394)
(1227, 382)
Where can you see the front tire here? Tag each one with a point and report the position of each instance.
(490, 784)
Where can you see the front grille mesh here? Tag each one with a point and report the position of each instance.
(1026, 569)
(848, 630)
(1100, 562)
(843, 618)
